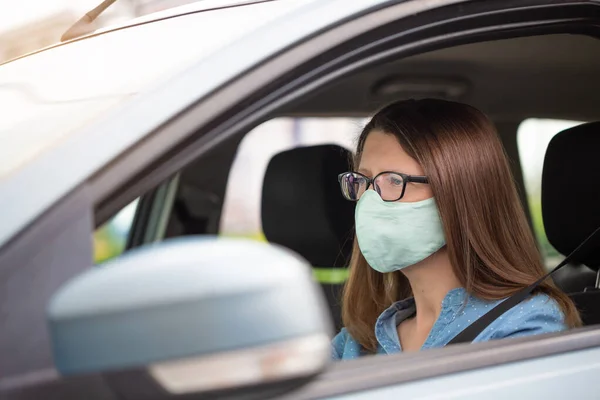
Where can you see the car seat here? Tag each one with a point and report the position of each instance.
(571, 211)
(303, 210)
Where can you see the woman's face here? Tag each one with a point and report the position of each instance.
(383, 152)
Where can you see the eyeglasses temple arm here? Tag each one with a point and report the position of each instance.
(418, 179)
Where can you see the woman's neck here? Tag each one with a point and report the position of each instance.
(431, 280)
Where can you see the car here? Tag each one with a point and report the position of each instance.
(148, 120)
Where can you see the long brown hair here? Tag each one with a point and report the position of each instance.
(491, 247)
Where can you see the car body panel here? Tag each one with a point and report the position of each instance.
(541, 378)
(190, 8)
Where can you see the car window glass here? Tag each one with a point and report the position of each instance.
(111, 238)
(241, 209)
(533, 137)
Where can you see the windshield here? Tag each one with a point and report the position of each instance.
(49, 95)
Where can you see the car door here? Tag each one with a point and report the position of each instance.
(495, 370)
(360, 33)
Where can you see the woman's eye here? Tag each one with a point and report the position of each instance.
(396, 181)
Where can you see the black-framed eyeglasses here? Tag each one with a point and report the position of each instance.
(389, 184)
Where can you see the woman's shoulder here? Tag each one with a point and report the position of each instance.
(538, 314)
(343, 346)
(338, 343)
(539, 305)
(341, 338)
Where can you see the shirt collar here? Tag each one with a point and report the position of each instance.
(454, 298)
(389, 319)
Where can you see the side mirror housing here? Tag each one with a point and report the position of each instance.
(195, 314)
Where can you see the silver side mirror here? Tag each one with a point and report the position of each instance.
(196, 315)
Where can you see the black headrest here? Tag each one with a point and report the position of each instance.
(571, 191)
(303, 208)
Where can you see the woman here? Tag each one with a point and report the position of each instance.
(441, 235)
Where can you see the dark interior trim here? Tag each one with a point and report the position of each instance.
(141, 219)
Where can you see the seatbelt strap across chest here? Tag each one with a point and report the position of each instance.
(472, 331)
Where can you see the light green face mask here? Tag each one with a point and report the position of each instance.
(395, 235)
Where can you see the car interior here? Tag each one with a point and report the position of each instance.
(548, 76)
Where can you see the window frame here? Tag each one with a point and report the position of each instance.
(152, 214)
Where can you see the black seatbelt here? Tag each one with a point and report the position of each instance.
(472, 331)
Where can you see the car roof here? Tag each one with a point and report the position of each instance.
(52, 93)
(190, 8)
(123, 115)
(556, 76)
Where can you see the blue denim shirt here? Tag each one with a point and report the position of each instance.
(538, 314)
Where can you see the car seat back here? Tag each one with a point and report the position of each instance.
(571, 210)
(303, 209)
